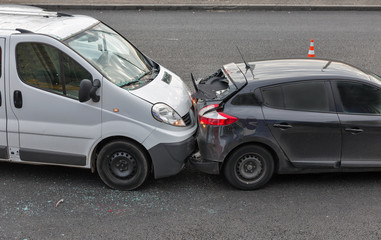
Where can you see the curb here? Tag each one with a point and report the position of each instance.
(250, 7)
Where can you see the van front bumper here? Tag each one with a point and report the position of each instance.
(169, 158)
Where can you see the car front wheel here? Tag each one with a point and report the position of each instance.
(122, 165)
(249, 167)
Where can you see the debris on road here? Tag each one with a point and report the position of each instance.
(60, 201)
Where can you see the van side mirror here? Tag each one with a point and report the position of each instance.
(88, 89)
(93, 90)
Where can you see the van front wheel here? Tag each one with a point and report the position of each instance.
(122, 165)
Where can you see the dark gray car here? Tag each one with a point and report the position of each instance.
(287, 116)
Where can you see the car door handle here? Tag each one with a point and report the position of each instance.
(17, 99)
(282, 125)
(354, 130)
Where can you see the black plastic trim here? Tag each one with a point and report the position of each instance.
(32, 155)
(210, 167)
(60, 14)
(21, 30)
(17, 98)
(4, 152)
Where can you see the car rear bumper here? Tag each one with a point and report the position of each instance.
(210, 167)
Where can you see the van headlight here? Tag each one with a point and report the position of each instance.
(164, 113)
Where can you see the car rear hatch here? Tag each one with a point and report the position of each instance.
(222, 85)
(211, 94)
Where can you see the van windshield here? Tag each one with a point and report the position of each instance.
(113, 56)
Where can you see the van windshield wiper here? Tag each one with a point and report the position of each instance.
(154, 73)
(125, 59)
(136, 79)
(142, 75)
(129, 83)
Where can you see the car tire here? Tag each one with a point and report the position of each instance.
(249, 167)
(122, 165)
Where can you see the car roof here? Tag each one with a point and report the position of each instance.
(37, 20)
(281, 70)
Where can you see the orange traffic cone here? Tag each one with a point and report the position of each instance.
(311, 52)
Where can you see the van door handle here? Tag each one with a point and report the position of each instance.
(354, 130)
(0, 100)
(17, 99)
(282, 125)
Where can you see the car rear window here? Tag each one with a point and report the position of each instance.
(300, 96)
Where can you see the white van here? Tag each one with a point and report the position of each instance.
(76, 93)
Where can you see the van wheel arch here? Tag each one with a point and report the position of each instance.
(105, 141)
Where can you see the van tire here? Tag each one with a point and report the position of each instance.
(122, 165)
(249, 167)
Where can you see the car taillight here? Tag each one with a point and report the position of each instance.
(209, 115)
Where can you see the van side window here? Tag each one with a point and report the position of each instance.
(45, 67)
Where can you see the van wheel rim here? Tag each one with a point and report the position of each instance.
(122, 165)
(249, 167)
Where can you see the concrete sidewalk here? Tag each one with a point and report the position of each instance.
(204, 4)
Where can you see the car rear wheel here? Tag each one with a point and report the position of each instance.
(249, 167)
(122, 165)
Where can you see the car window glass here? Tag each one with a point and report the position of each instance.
(247, 99)
(273, 97)
(359, 98)
(38, 65)
(74, 73)
(305, 96)
(47, 68)
(309, 96)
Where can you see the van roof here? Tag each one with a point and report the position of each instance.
(15, 18)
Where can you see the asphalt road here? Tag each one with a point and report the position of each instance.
(195, 205)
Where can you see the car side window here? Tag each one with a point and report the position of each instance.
(245, 99)
(359, 98)
(299, 96)
(45, 67)
(273, 97)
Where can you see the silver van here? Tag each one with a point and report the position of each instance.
(76, 93)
